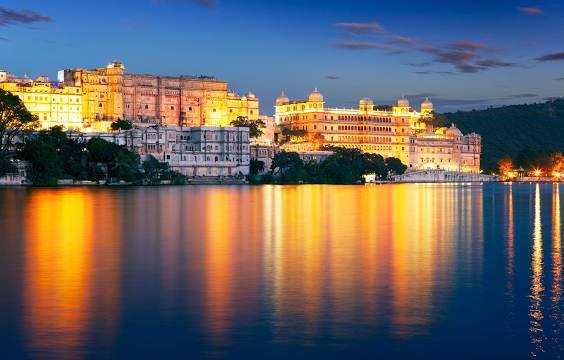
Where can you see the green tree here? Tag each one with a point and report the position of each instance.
(120, 124)
(256, 166)
(154, 170)
(255, 126)
(6, 167)
(395, 166)
(283, 161)
(15, 120)
(46, 165)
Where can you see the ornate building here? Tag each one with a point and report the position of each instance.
(397, 131)
(110, 93)
(52, 102)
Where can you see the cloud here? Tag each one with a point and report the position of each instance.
(551, 57)
(204, 3)
(359, 28)
(493, 63)
(332, 77)
(402, 39)
(366, 45)
(13, 17)
(463, 55)
(467, 45)
(133, 25)
(560, 79)
(531, 10)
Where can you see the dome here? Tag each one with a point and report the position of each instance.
(427, 104)
(231, 94)
(282, 99)
(315, 96)
(403, 102)
(453, 131)
(251, 95)
(366, 101)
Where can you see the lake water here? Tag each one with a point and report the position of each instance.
(282, 271)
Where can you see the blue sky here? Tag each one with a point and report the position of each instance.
(463, 54)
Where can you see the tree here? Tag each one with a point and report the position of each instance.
(256, 166)
(505, 165)
(46, 165)
(120, 124)
(15, 120)
(154, 170)
(255, 126)
(395, 166)
(283, 161)
(6, 167)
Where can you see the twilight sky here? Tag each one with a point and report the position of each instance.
(463, 54)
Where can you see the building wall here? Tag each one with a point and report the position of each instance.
(194, 151)
(109, 94)
(397, 131)
(53, 103)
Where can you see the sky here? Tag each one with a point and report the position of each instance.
(462, 54)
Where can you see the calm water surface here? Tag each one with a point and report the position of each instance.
(282, 272)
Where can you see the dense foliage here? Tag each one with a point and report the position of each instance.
(255, 126)
(53, 156)
(6, 167)
(15, 119)
(526, 133)
(120, 124)
(344, 166)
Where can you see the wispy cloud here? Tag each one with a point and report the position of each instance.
(560, 79)
(14, 17)
(366, 45)
(551, 57)
(402, 40)
(467, 45)
(531, 10)
(332, 77)
(360, 28)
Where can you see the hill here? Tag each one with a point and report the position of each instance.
(518, 131)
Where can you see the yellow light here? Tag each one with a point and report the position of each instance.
(537, 172)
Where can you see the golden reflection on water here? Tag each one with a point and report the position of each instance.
(510, 243)
(556, 288)
(65, 241)
(535, 309)
(57, 287)
(374, 256)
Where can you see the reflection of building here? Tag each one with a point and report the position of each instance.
(203, 151)
(53, 103)
(184, 100)
(398, 131)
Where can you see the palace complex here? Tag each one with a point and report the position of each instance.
(81, 99)
(397, 131)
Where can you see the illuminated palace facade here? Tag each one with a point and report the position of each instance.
(397, 131)
(109, 93)
(52, 102)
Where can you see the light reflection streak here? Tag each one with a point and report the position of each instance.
(510, 245)
(58, 288)
(556, 289)
(535, 308)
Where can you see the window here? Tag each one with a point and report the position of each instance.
(172, 108)
(146, 107)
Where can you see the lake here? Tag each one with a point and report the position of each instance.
(310, 271)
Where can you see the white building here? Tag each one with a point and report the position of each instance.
(203, 151)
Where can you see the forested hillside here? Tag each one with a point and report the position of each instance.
(522, 132)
